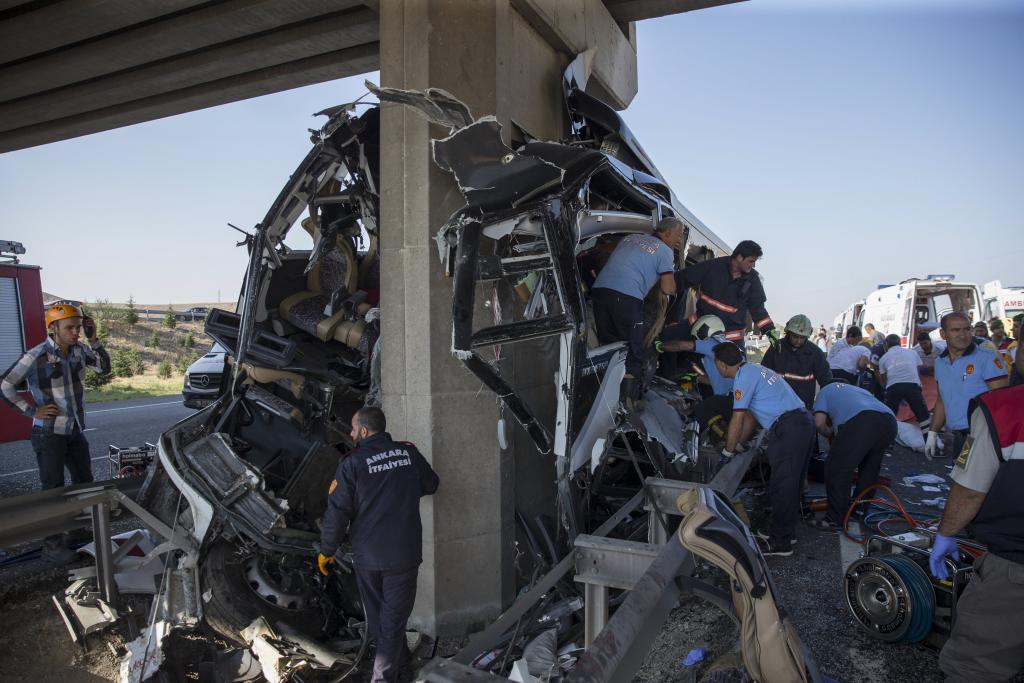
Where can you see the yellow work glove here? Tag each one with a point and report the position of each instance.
(324, 562)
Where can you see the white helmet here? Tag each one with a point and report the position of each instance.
(707, 326)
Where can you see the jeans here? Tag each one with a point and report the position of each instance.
(388, 597)
(55, 452)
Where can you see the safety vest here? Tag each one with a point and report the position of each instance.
(1000, 522)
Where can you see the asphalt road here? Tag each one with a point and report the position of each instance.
(121, 423)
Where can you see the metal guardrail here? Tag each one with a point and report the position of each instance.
(34, 516)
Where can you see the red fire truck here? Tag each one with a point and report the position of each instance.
(21, 326)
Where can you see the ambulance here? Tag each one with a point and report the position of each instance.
(850, 316)
(902, 308)
(1002, 302)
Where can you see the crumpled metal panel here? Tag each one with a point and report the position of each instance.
(236, 485)
(436, 105)
(662, 422)
(601, 418)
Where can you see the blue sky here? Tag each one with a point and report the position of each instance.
(859, 142)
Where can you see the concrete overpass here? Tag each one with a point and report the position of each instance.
(74, 67)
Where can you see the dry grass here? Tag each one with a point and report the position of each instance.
(139, 386)
(170, 348)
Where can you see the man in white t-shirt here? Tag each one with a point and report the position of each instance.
(898, 372)
(848, 357)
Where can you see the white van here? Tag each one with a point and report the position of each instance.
(900, 309)
(1001, 302)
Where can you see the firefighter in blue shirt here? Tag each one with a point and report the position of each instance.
(790, 431)
(963, 371)
(375, 497)
(862, 428)
(637, 264)
(713, 411)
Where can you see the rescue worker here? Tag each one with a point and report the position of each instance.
(789, 428)
(728, 287)
(375, 496)
(999, 337)
(963, 371)
(801, 364)
(638, 262)
(898, 373)
(872, 335)
(987, 640)
(928, 350)
(54, 372)
(848, 356)
(714, 410)
(862, 428)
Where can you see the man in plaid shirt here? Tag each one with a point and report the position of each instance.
(53, 372)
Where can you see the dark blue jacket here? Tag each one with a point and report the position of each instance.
(375, 495)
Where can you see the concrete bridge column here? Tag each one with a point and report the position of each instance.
(502, 57)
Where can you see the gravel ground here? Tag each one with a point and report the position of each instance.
(810, 582)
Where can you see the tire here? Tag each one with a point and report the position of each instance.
(233, 603)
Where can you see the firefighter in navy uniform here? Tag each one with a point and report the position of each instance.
(375, 496)
(987, 640)
(802, 365)
(729, 288)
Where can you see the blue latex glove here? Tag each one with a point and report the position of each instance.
(944, 546)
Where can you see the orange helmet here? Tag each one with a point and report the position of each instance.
(60, 311)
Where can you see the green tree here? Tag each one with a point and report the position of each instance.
(169, 320)
(189, 341)
(121, 363)
(154, 340)
(163, 370)
(131, 316)
(102, 331)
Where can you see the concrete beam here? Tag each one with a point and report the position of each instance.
(219, 23)
(574, 26)
(637, 10)
(325, 67)
(329, 34)
(64, 23)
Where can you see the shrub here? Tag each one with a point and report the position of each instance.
(169, 320)
(163, 371)
(131, 316)
(189, 341)
(154, 340)
(102, 332)
(136, 360)
(94, 380)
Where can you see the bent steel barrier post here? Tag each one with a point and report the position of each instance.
(104, 556)
(619, 649)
